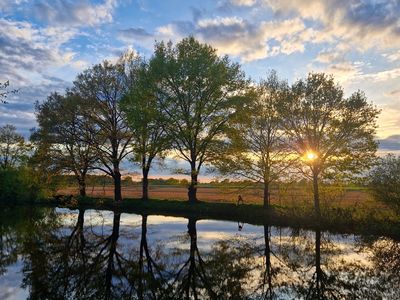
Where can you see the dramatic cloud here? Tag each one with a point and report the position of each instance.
(24, 48)
(361, 24)
(357, 41)
(74, 13)
(233, 36)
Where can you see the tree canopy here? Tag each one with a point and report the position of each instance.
(198, 93)
(330, 133)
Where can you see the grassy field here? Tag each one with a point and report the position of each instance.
(283, 197)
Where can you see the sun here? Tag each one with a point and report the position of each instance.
(311, 155)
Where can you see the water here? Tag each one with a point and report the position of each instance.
(51, 253)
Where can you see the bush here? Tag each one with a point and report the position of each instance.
(385, 181)
(18, 185)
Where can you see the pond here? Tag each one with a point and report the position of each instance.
(55, 253)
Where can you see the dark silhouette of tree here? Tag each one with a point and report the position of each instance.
(257, 150)
(331, 134)
(103, 87)
(13, 149)
(61, 137)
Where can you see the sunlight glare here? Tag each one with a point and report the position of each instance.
(311, 155)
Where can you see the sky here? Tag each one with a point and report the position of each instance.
(45, 44)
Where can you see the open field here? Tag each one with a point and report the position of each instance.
(293, 197)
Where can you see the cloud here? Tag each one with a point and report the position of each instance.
(341, 25)
(359, 24)
(393, 93)
(29, 55)
(392, 57)
(390, 143)
(24, 48)
(74, 13)
(19, 109)
(135, 34)
(243, 2)
(383, 75)
(232, 35)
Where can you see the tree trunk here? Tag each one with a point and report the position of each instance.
(145, 183)
(192, 193)
(111, 255)
(117, 186)
(143, 246)
(318, 270)
(268, 269)
(81, 218)
(316, 194)
(266, 194)
(82, 186)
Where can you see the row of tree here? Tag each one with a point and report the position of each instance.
(188, 100)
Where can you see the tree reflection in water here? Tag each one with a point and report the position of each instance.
(98, 258)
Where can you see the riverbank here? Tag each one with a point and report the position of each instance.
(337, 220)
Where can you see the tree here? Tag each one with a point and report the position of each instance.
(13, 149)
(4, 92)
(256, 150)
(103, 87)
(385, 181)
(62, 133)
(145, 120)
(197, 92)
(331, 134)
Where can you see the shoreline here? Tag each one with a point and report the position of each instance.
(335, 220)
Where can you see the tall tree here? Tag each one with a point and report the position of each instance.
(256, 148)
(196, 90)
(331, 134)
(145, 119)
(103, 87)
(62, 133)
(13, 149)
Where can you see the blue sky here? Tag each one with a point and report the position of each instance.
(45, 44)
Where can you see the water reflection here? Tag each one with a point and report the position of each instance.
(60, 254)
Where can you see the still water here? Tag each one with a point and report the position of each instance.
(52, 253)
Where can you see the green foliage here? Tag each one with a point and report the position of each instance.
(198, 93)
(19, 185)
(340, 131)
(256, 148)
(385, 181)
(145, 119)
(14, 152)
(61, 137)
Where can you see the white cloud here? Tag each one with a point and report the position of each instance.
(392, 57)
(233, 36)
(25, 48)
(74, 13)
(358, 24)
(243, 2)
(383, 75)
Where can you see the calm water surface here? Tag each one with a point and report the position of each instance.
(51, 253)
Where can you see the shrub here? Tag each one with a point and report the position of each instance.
(19, 185)
(385, 181)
